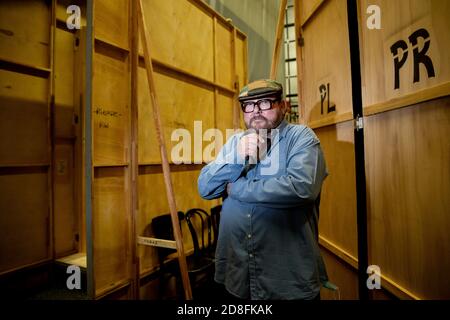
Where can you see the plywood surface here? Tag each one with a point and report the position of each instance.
(327, 81)
(338, 199)
(78, 259)
(181, 35)
(65, 218)
(23, 119)
(224, 55)
(25, 32)
(342, 275)
(307, 8)
(400, 19)
(110, 107)
(408, 174)
(224, 114)
(24, 218)
(110, 227)
(111, 21)
(181, 103)
(64, 83)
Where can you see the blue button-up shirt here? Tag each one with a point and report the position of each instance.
(268, 239)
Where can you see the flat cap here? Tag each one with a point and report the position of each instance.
(260, 88)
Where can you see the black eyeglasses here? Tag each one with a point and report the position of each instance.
(263, 104)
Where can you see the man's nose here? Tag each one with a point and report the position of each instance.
(255, 109)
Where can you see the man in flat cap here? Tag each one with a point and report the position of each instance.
(270, 178)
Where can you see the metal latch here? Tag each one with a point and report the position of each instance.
(359, 123)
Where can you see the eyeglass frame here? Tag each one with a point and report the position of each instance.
(258, 102)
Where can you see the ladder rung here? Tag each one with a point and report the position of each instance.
(154, 242)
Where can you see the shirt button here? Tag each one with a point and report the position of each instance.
(250, 255)
(249, 235)
(248, 216)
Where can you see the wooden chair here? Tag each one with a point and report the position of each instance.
(215, 220)
(200, 264)
(168, 268)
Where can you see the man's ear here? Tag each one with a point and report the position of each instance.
(285, 106)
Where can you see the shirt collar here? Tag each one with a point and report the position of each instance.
(281, 129)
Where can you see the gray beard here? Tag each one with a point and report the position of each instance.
(272, 125)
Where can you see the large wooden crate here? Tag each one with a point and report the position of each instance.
(39, 136)
(199, 62)
(326, 96)
(407, 152)
(25, 153)
(406, 156)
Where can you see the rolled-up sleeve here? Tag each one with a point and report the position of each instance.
(300, 184)
(226, 168)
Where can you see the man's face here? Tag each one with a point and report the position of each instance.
(265, 119)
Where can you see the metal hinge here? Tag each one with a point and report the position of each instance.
(301, 41)
(359, 123)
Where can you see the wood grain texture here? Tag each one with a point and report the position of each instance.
(241, 60)
(24, 222)
(399, 20)
(327, 61)
(342, 275)
(181, 35)
(110, 107)
(408, 174)
(338, 199)
(224, 55)
(224, 114)
(111, 237)
(308, 8)
(24, 32)
(111, 21)
(65, 217)
(64, 68)
(24, 134)
(182, 102)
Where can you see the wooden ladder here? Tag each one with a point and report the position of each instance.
(178, 242)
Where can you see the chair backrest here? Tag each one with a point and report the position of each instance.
(162, 229)
(199, 222)
(215, 219)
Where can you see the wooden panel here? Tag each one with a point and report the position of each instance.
(400, 19)
(25, 216)
(408, 178)
(64, 77)
(65, 220)
(184, 179)
(186, 44)
(25, 32)
(23, 119)
(181, 102)
(224, 113)
(123, 293)
(338, 198)
(241, 60)
(110, 109)
(224, 123)
(80, 178)
(342, 275)
(111, 21)
(327, 78)
(110, 228)
(307, 8)
(224, 52)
